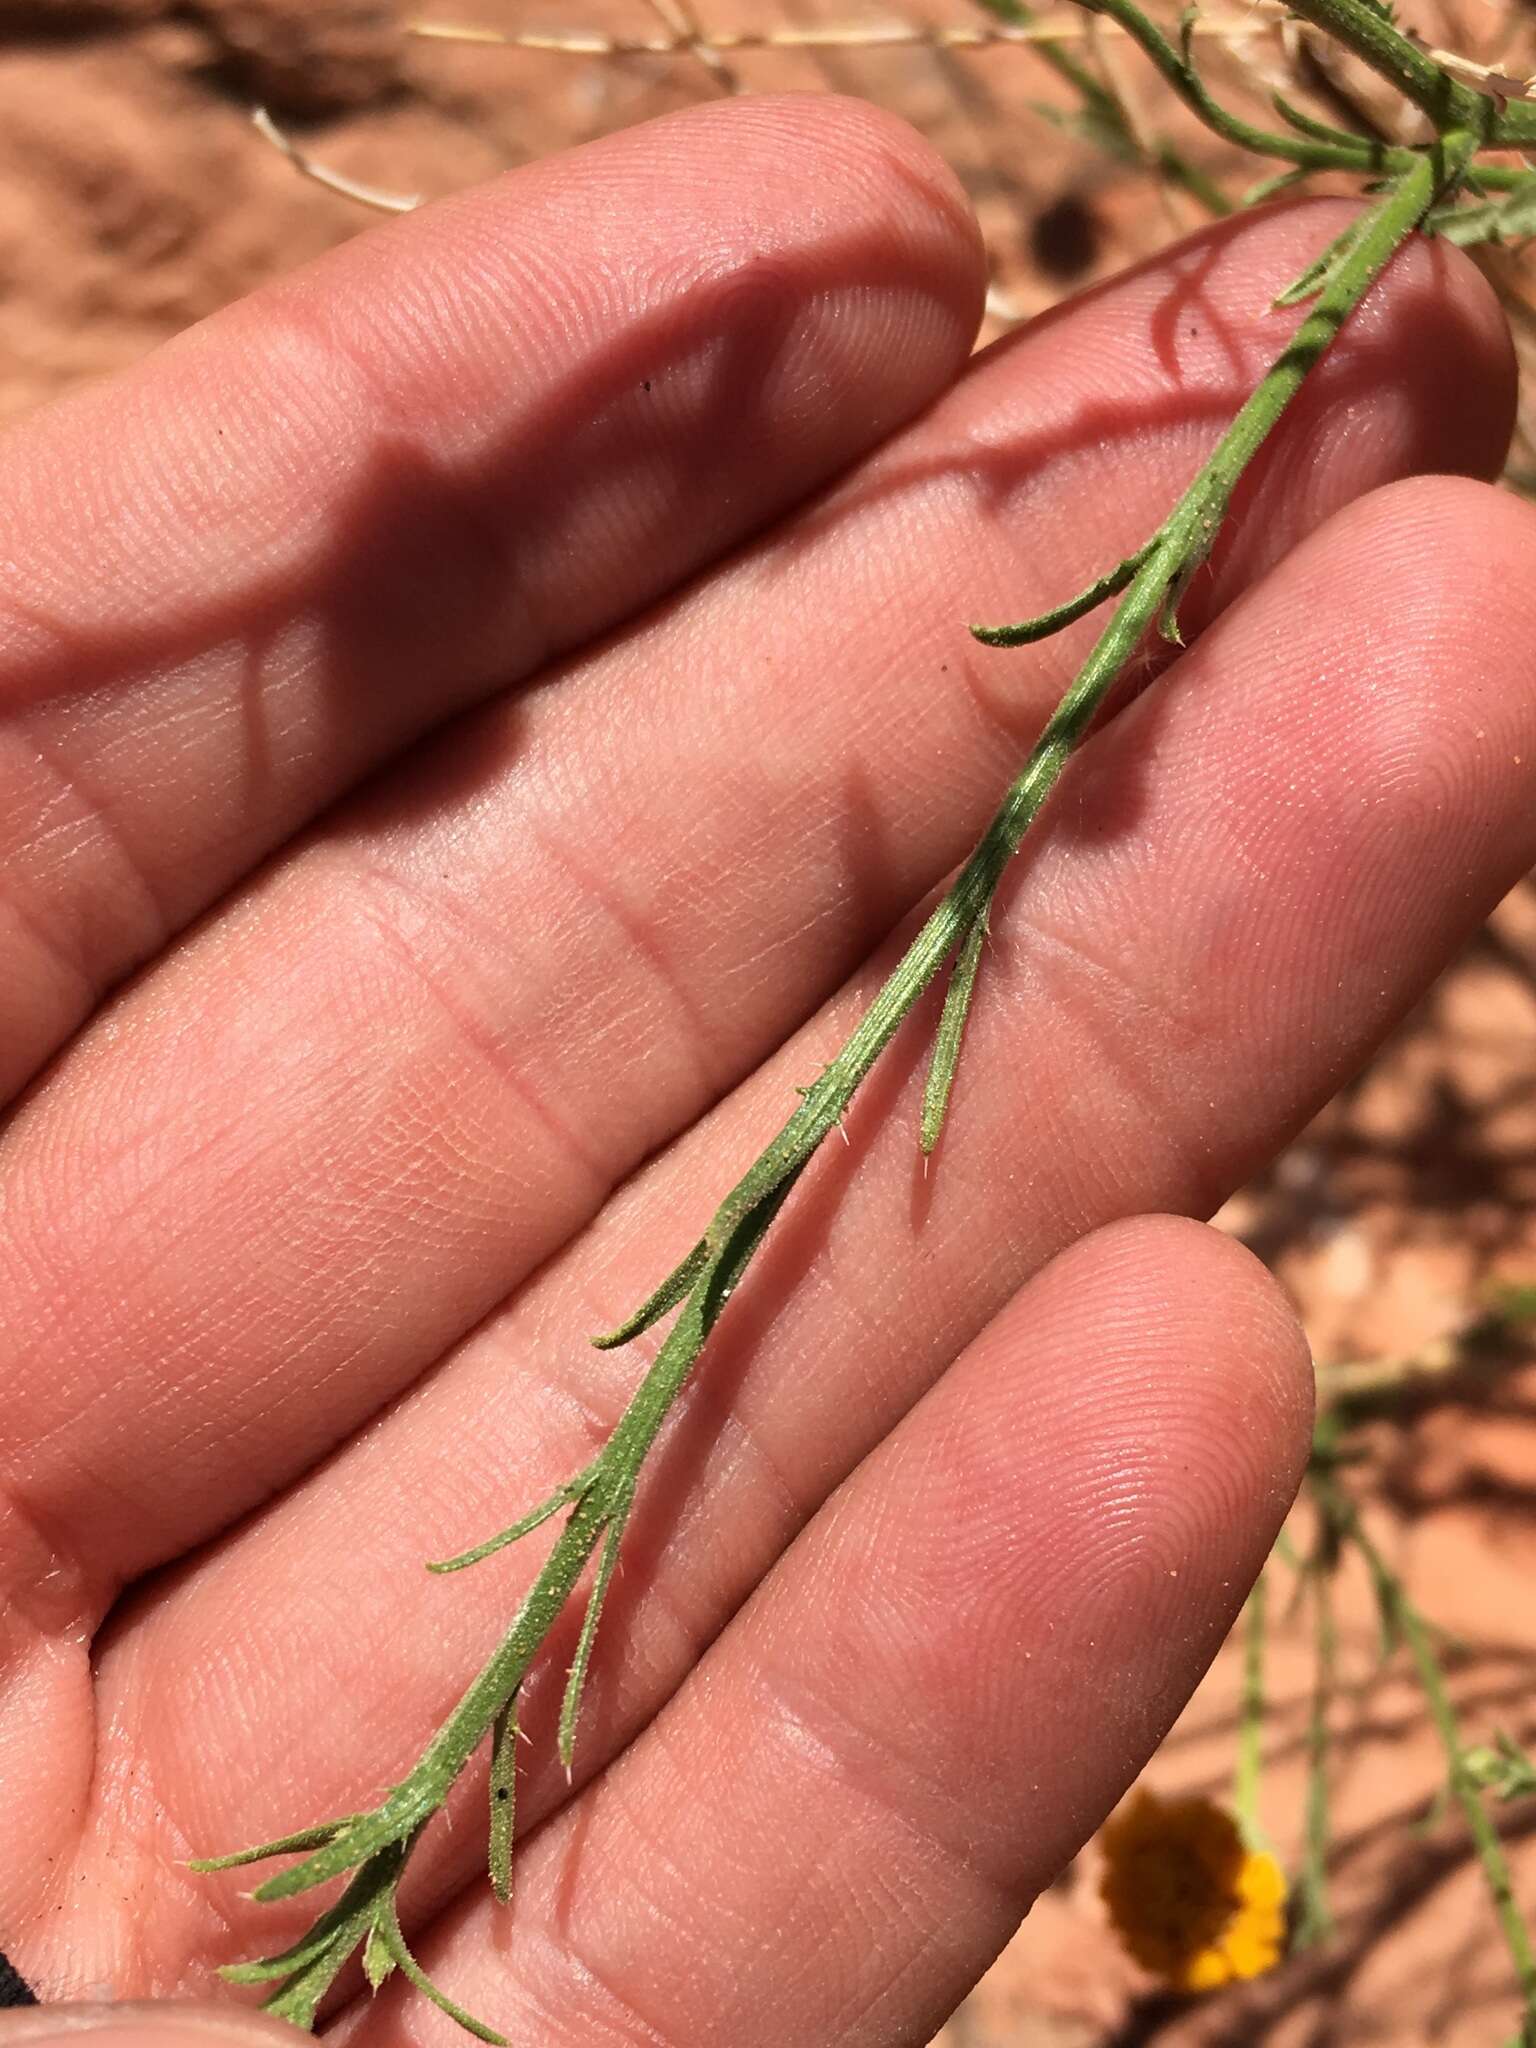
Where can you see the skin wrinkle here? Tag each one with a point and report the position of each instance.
(865, 1796)
(44, 960)
(769, 1472)
(540, 1988)
(499, 1057)
(866, 1766)
(46, 1585)
(647, 946)
(636, 2026)
(75, 783)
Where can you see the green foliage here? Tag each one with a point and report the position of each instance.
(1469, 1772)
(1503, 1769)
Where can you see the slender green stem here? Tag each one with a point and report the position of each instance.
(1044, 624)
(1351, 154)
(1250, 1726)
(1103, 108)
(1393, 1598)
(503, 1790)
(1315, 1919)
(1370, 33)
(946, 1045)
(1189, 530)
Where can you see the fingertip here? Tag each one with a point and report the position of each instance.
(1433, 322)
(793, 199)
(1160, 1359)
(1241, 1389)
(1422, 380)
(839, 145)
(1410, 690)
(1459, 374)
(1051, 1549)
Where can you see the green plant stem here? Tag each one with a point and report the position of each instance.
(375, 1844)
(1393, 1599)
(1315, 1918)
(1103, 106)
(1250, 1728)
(1177, 68)
(1377, 42)
(951, 1032)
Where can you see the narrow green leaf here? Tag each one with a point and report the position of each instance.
(570, 1706)
(1271, 188)
(946, 1044)
(315, 1961)
(1309, 125)
(363, 1844)
(1511, 219)
(1044, 624)
(303, 1838)
(299, 2000)
(411, 1969)
(563, 1496)
(503, 1798)
(1322, 270)
(346, 1921)
(378, 1963)
(667, 1296)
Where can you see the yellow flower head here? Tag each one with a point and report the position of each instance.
(1189, 1901)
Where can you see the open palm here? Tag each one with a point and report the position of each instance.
(435, 684)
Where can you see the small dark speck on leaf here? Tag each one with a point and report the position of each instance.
(501, 1792)
(646, 384)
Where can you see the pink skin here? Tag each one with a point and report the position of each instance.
(420, 1084)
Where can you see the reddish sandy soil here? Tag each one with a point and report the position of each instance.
(135, 197)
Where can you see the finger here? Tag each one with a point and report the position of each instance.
(939, 1693)
(316, 1148)
(1250, 878)
(141, 2026)
(243, 575)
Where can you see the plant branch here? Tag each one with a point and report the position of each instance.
(375, 1845)
(1250, 1727)
(1370, 33)
(1403, 1618)
(1177, 67)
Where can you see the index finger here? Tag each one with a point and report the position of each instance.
(243, 575)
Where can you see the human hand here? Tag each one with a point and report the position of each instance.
(419, 1083)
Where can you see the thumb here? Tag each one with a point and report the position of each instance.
(142, 2026)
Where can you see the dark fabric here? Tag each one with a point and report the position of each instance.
(13, 1991)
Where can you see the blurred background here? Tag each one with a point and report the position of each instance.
(136, 196)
